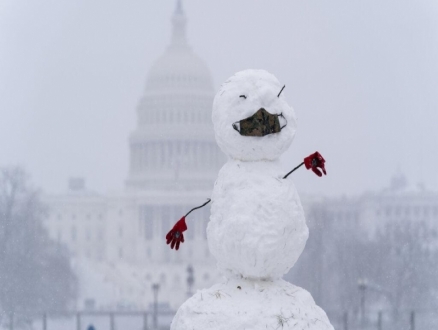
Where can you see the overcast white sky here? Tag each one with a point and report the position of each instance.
(361, 75)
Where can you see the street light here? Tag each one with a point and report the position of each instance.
(155, 288)
(190, 280)
(362, 284)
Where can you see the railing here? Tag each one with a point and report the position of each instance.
(87, 320)
(385, 320)
(142, 320)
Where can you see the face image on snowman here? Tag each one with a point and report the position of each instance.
(257, 228)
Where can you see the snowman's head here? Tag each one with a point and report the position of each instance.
(252, 120)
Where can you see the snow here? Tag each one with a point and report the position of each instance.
(253, 305)
(257, 228)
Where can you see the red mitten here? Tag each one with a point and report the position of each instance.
(314, 161)
(175, 235)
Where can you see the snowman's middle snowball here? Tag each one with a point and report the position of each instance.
(257, 227)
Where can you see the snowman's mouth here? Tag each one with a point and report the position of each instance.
(260, 124)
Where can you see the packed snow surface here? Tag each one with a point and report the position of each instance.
(257, 227)
(251, 305)
(261, 90)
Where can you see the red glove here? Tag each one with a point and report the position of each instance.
(314, 161)
(175, 235)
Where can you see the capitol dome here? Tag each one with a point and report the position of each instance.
(179, 69)
(173, 145)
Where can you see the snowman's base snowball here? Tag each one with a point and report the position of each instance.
(251, 305)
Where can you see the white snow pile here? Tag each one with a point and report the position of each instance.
(257, 228)
(251, 305)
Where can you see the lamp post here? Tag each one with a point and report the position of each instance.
(155, 288)
(362, 284)
(190, 280)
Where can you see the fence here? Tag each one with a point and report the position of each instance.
(124, 320)
(385, 320)
(99, 320)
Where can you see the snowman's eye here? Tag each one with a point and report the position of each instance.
(281, 91)
(244, 96)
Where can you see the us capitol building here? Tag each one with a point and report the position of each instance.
(118, 241)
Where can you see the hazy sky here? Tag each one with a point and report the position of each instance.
(361, 75)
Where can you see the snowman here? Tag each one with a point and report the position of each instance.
(257, 228)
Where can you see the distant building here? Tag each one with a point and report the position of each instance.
(118, 240)
(371, 211)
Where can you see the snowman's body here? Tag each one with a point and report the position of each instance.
(257, 228)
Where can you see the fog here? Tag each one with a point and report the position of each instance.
(362, 77)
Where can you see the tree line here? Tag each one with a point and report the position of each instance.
(35, 271)
(396, 266)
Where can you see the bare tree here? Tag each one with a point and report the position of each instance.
(407, 266)
(399, 265)
(35, 272)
